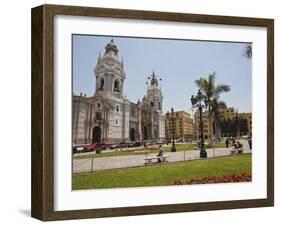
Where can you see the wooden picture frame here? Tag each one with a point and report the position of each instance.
(43, 112)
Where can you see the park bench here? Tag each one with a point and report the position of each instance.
(149, 159)
(234, 151)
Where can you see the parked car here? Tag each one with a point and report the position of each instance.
(74, 150)
(95, 147)
(160, 142)
(77, 149)
(137, 144)
(113, 146)
(145, 144)
(122, 145)
(101, 146)
(90, 148)
(130, 145)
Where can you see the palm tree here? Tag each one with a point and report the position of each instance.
(216, 106)
(212, 92)
(247, 52)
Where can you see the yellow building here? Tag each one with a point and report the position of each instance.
(183, 125)
(226, 113)
(206, 128)
(230, 126)
(227, 126)
(248, 117)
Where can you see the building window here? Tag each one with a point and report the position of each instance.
(98, 105)
(117, 108)
(116, 86)
(101, 87)
(117, 121)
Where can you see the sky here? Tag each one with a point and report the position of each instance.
(177, 62)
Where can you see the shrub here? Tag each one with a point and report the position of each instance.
(242, 177)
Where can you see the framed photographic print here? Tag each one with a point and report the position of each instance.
(141, 112)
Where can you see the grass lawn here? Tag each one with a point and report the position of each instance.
(179, 147)
(165, 174)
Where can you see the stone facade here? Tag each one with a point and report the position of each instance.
(108, 115)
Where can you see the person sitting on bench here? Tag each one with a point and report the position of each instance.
(160, 153)
(239, 145)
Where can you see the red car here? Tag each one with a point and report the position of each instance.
(95, 147)
(102, 146)
(90, 147)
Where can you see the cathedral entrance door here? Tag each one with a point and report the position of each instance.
(96, 135)
(145, 133)
(132, 134)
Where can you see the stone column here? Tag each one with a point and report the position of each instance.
(152, 124)
(139, 124)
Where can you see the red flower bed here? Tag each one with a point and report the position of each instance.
(152, 149)
(242, 177)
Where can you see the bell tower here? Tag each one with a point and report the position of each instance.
(109, 71)
(154, 94)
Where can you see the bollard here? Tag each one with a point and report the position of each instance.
(145, 157)
(92, 164)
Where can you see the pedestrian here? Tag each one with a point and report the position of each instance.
(227, 142)
(160, 153)
(233, 141)
(250, 143)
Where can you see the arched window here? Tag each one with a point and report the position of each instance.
(132, 134)
(116, 86)
(101, 85)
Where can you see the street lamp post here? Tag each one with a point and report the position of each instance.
(99, 120)
(200, 101)
(237, 125)
(173, 121)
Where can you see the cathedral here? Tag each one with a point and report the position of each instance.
(108, 116)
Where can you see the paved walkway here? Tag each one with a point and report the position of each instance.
(105, 163)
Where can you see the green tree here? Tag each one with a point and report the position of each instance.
(216, 105)
(212, 92)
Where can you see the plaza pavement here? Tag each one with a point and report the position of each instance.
(116, 162)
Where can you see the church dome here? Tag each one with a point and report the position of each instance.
(110, 63)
